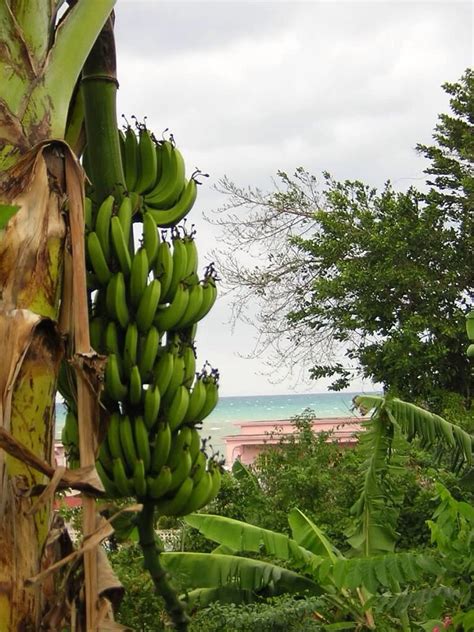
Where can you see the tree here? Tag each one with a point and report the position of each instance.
(42, 53)
(350, 280)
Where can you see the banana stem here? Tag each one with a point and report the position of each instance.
(99, 89)
(175, 607)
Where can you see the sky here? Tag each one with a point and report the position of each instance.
(249, 88)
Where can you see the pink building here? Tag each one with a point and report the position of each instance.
(254, 435)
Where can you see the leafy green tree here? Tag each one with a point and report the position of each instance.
(351, 280)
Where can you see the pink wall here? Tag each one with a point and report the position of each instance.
(254, 435)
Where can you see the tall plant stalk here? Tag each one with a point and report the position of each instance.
(175, 607)
(40, 62)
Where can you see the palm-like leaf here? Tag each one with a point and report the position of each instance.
(241, 536)
(417, 422)
(226, 574)
(375, 512)
(310, 537)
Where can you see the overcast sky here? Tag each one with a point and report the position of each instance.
(252, 87)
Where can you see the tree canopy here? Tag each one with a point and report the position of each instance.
(352, 280)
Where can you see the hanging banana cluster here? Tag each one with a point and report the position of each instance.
(155, 170)
(146, 302)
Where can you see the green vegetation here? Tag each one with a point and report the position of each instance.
(381, 278)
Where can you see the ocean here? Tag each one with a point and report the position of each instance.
(229, 410)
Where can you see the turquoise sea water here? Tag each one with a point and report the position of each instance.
(260, 408)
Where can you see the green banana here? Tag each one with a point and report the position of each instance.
(161, 448)
(130, 347)
(199, 467)
(138, 276)
(159, 485)
(120, 245)
(96, 332)
(216, 476)
(193, 308)
(146, 161)
(195, 444)
(163, 270)
(191, 259)
(171, 183)
(177, 378)
(178, 407)
(148, 355)
(105, 457)
(174, 214)
(164, 150)
(175, 505)
(189, 357)
(123, 484)
(116, 300)
(148, 305)
(70, 432)
(212, 397)
(135, 386)
(142, 441)
(112, 343)
(167, 317)
(127, 442)
(110, 487)
(151, 238)
(181, 440)
(159, 163)
(114, 386)
(209, 296)
(125, 214)
(182, 469)
(163, 371)
(88, 214)
(180, 258)
(131, 159)
(202, 490)
(151, 406)
(139, 480)
(113, 438)
(102, 224)
(196, 401)
(98, 259)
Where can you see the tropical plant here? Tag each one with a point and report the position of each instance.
(376, 582)
(42, 51)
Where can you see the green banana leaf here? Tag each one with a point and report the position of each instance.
(210, 570)
(242, 473)
(241, 536)
(310, 537)
(202, 597)
(376, 510)
(415, 421)
(43, 63)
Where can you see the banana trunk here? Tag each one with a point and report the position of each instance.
(39, 68)
(31, 249)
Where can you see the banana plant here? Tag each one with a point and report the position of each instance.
(43, 47)
(375, 581)
(316, 568)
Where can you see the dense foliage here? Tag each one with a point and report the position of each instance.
(351, 279)
(431, 522)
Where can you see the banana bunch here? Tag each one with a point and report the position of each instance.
(156, 171)
(146, 300)
(170, 468)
